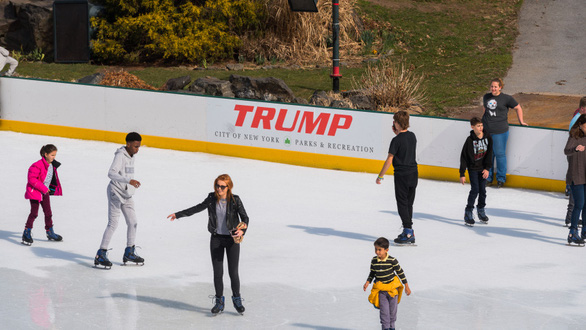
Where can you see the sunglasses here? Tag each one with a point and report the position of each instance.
(221, 187)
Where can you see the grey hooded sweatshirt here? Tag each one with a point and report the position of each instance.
(121, 172)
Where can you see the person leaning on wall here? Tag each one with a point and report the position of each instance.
(6, 59)
(495, 120)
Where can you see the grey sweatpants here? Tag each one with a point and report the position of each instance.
(388, 309)
(12, 64)
(116, 204)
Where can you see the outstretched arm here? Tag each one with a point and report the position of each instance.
(191, 211)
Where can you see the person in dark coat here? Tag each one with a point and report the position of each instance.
(225, 214)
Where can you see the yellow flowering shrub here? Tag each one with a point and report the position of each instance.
(172, 31)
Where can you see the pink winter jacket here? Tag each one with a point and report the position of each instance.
(35, 188)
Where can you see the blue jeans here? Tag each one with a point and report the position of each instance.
(499, 151)
(477, 189)
(578, 192)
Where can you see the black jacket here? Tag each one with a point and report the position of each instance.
(476, 154)
(233, 210)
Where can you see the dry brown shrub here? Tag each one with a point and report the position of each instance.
(302, 38)
(392, 86)
(121, 78)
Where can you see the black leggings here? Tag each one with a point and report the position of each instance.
(219, 243)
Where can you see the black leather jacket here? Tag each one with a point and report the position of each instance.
(233, 210)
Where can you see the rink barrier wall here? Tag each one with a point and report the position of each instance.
(199, 123)
(288, 157)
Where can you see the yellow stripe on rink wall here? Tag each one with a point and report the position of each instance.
(62, 131)
(513, 181)
(265, 154)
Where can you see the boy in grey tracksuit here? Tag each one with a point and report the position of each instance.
(120, 190)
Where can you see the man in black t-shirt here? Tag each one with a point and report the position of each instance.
(402, 157)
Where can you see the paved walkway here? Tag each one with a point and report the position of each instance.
(550, 54)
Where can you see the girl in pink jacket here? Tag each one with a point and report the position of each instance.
(42, 182)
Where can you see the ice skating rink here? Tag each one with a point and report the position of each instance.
(303, 261)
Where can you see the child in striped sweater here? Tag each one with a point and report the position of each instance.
(389, 283)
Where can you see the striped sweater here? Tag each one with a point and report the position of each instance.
(384, 270)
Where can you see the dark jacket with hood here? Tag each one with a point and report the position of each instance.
(234, 210)
(476, 153)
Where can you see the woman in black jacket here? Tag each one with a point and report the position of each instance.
(225, 212)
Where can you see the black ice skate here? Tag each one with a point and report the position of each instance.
(52, 236)
(218, 305)
(469, 217)
(407, 237)
(482, 216)
(27, 237)
(129, 255)
(237, 301)
(101, 259)
(574, 239)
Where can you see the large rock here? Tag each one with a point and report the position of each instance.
(175, 84)
(195, 89)
(300, 100)
(362, 101)
(268, 89)
(212, 86)
(94, 79)
(243, 87)
(27, 25)
(320, 98)
(235, 67)
(359, 98)
(343, 103)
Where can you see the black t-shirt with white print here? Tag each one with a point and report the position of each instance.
(495, 117)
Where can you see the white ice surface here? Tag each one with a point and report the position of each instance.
(303, 261)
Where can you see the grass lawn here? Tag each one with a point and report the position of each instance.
(458, 45)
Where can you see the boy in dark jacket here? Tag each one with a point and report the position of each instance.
(476, 157)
